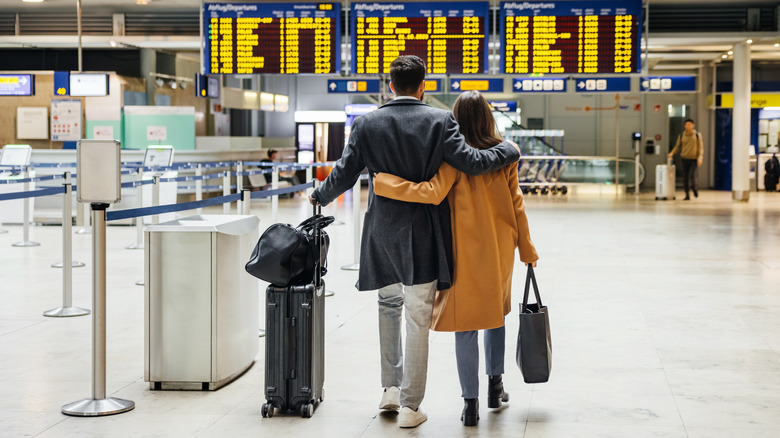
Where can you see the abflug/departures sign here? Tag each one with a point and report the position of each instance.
(285, 38)
(571, 37)
(449, 37)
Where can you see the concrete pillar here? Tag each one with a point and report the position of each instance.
(740, 137)
(149, 65)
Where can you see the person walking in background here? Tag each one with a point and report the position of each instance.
(488, 223)
(691, 150)
(403, 250)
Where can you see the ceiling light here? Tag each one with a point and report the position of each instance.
(777, 44)
(749, 41)
(174, 85)
(142, 2)
(159, 82)
(730, 52)
(33, 1)
(724, 56)
(112, 43)
(183, 85)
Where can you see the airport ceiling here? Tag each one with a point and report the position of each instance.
(674, 51)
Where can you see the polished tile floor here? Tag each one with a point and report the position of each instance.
(665, 319)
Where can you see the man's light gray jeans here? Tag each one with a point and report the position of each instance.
(407, 370)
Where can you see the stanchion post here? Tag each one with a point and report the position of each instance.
(275, 198)
(309, 178)
(67, 308)
(139, 221)
(87, 227)
(245, 201)
(156, 198)
(240, 185)
(355, 228)
(199, 186)
(226, 191)
(26, 242)
(67, 223)
(98, 405)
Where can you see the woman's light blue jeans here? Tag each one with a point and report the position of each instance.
(467, 355)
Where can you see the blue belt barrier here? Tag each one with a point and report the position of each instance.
(32, 193)
(170, 208)
(267, 193)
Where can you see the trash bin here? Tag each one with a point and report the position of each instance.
(201, 307)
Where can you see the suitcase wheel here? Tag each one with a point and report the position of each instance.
(544, 190)
(322, 395)
(564, 190)
(307, 410)
(268, 410)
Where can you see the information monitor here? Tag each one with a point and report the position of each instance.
(286, 38)
(449, 37)
(570, 36)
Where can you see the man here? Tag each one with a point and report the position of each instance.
(691, 150)
(403, 250)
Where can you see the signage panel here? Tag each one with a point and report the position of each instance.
(88, 84)
(571, 36)
(484, 85)
(353, 86)
(17, 85)
(450, 37)
(289, 38)
(503, 106)
(668, 83)
(62, 83)
(536, 85)
(602, 85)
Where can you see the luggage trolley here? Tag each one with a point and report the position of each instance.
(542, 163)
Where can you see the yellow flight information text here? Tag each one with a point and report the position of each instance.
(446, 44)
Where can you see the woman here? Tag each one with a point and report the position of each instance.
(488, 223)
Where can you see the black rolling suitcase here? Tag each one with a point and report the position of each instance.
(294, 345)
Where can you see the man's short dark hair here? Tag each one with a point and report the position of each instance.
(271, 152)
(689, 120)
(406, 74)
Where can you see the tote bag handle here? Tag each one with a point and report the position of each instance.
(530, 277)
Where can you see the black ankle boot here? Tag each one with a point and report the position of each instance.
(496, 393)
(470, 414)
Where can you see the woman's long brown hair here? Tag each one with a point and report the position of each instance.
(476, 120)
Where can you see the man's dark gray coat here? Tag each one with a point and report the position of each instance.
(406, 242)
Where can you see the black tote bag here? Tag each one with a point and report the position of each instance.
(534, 345)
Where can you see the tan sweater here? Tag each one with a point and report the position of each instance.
(691, 145)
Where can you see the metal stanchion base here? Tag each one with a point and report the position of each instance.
(135, 246)
(74, 264)
(352, 267)
(26, 243)
(329, 293)
(262, 333)
(140, 283)
(89, 407)
(64, 312)
(84, 231)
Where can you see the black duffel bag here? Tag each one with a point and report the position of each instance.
(286, 255)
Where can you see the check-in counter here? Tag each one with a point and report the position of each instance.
(201, 307)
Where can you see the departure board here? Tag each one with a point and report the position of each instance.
(571, 36)
(287, 38)
(449, 37)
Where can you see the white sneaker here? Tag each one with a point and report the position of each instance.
(391, 399)
(410, 418)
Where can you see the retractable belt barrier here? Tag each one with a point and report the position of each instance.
(170, 208)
